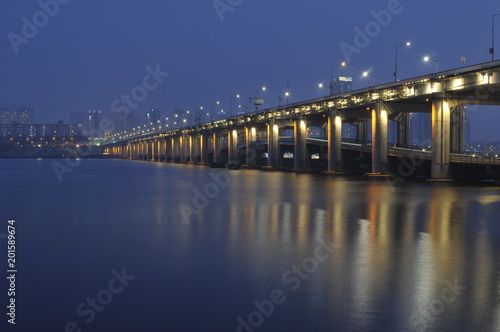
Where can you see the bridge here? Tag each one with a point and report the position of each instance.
(278, 137)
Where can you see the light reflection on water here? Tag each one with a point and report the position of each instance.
(396, 250)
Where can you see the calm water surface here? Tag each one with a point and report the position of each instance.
(246, 250)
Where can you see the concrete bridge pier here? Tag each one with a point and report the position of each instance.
(300, 148)
(143, 148)
(191, 147)
(232, 149)
(164, 149)
(272, 143)
(440, 165)
(183, 148)
(334, 141)
(133, 151)
(204, 147)
(155, 156)
(217, 145)
(250, 151)
(457, 131)
(158, 150)
(172, 149)
(150, 148)
(379, 138)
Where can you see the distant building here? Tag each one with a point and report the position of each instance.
(17, 114)
(93, 123)
(181, 118)
(79, 120)
(153, 117)
(17, 131)
(126, 121)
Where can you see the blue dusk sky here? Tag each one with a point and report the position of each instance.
(72, 56)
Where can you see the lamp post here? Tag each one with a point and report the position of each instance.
(428, 59)
(320, 86)
(492, 49)
(255, 99)
(231, 105)
(396, 61)
(263, 89)
(212, 110)
(342, 64)
(287, 93)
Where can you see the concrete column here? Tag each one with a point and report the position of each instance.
(250, 153)
(334, 141)
(191, 147)
(299, 137)
(183, 148)
(173, 150)
(150, 148)
(272, 143)
(440, 139)
(163, 150)
(216, 140)
(404, 129)
(457, 130)
(154, 150)
(379, 138)
(232, 147)
(158, 149)
(204, 147)
(178, 148)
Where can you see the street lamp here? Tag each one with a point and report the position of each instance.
(396, 61)
(287, 93)
(212, 110)
(492, 49)
(231, 105)
(342, 64)
(263, 89)
(256, 100)
(428, 59)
